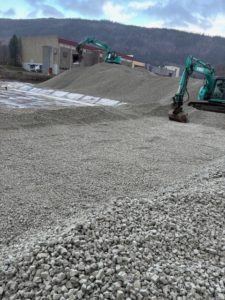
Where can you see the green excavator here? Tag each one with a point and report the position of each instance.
(211, 96)
(110, 57)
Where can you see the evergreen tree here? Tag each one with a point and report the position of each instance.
(14, 50)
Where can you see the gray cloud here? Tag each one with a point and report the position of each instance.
(36, 3)
(84, 7)
(50, 11)
(8, 13)
(182, 13)
(210, 7)
(173, 13)
(39, 6)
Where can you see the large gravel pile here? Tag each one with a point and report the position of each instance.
(144, 93)
(117, 82)
(123, 234)
(168, 246)
(137, 86)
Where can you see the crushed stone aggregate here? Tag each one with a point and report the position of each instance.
(112, 203)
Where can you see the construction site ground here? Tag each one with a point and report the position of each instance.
(60, 165)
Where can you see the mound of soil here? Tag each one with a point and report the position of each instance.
(28, 118)
(146, 94)
(115, 82)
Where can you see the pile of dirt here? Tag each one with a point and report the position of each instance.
(115, 82)
(145, 93)
(112, 210)
(28, 118)
(169, 245)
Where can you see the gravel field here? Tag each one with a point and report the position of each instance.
(169, 245)
(105, 203)
(49, 172)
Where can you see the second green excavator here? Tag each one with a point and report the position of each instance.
(211, 96)
(110, 56)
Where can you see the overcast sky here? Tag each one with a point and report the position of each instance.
(201, 16)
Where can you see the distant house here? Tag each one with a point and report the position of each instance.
(52, 54)
(168, 71)
(176, 70)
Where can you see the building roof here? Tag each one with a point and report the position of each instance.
(91, 48)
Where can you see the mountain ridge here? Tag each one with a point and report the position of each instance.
(151, 45)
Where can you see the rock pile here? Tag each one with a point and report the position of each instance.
(116, 82)
(169, 246)
(146, 93)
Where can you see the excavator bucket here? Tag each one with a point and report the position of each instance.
(177, 114)
(179, 117)
(218, 107)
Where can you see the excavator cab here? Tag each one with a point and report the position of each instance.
(214, 101)
(219, 90)
(113, 58)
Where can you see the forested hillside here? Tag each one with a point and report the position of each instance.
(154, 46)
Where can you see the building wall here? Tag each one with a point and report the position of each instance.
(48, 52)
(55, 54)
(91, 58)
(32, 49)
(66, 53)
(176, 70)
(162, 71)
(139, 64)
(65, 58)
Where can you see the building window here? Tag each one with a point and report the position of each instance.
(65, 54)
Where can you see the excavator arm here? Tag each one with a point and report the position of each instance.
(94, 42)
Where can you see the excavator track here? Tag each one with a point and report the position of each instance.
(208, 106)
